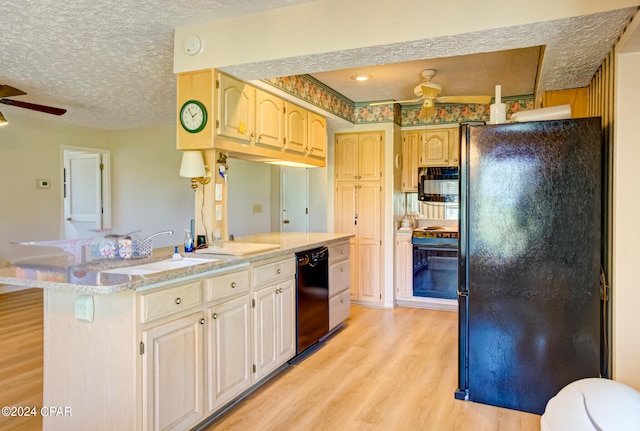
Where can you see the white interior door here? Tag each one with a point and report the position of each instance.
(83, 194)
(295, 201)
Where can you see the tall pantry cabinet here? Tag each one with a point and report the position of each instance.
(358, 209)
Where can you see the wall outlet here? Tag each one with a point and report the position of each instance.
(83, 308)
(257, 208)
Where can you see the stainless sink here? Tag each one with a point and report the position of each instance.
(160, 266)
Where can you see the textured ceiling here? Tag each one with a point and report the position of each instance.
(110, 64)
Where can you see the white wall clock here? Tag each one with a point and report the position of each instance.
(193, 116)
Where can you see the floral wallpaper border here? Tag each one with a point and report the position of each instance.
(309, 89)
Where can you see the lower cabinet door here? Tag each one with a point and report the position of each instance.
(228, 353)
(173, 374)
(265, 332)
(286, 303)
(274, 327)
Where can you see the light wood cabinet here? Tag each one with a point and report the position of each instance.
(434, 148)
(358, 209)
(422, 148)
(235, 109)
(339, 282)
(274, 319)
(317, 136)
(410, 147)
(173, 374)
(296, 128)
(454, 147)
(228, 351)
(270, 120)
(358, 157)
(305, 132)
(250, 122)
(404, 267)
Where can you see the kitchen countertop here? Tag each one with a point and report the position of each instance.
(58, 273)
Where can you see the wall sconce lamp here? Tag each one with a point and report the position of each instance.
(3, 121)
(193, 167)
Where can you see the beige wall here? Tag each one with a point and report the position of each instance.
(146, 190)
(30, 149)
(626, 254)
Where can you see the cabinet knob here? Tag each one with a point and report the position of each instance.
(214, 316)
(342, 301)
(233, 284)
(278, 271)
(342, 251)
(202, 321)
(178, 301)
(359, 176)
(445, 160)
(341, 269)
(355, 177)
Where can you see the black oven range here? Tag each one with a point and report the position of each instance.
(435, 262)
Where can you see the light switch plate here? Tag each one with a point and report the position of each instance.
(43, 183)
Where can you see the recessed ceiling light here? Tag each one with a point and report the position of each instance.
(361, 77)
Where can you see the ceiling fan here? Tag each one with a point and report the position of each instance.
(429, 92)
(8, 91)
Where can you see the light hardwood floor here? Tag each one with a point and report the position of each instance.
(21, 337)
(386, 370)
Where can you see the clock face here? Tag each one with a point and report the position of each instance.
(193, 116)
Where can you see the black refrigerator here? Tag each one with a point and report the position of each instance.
(530, 260)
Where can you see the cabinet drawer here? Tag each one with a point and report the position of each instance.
(169, 301)
(225, 285)
(339, 252)
(339, 277)
(339, 309)
(265, 274)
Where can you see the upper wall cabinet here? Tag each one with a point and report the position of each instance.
(439, 147)
(248, 122)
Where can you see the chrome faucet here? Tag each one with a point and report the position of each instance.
(169, 232)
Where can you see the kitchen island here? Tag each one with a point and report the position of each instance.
(167, 349)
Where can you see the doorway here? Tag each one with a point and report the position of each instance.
(294, 204)
(86, 192)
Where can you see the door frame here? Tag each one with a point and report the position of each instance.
(106, 183)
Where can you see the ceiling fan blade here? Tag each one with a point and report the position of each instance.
(9, 91)
(34, 107)
(430, 92)
(396, 101)
(482, 100)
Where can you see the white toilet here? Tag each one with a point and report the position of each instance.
(593, 405)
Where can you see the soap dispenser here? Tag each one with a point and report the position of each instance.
(188, 241)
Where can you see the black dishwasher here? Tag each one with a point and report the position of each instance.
(312, 296)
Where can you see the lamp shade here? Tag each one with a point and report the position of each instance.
(192, 164)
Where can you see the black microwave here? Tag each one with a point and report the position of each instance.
(438, 184)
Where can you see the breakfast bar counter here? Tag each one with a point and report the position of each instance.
(158, 343)
(101, 276)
